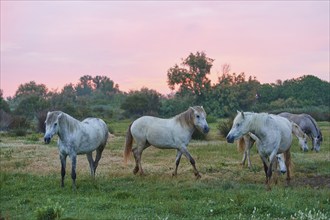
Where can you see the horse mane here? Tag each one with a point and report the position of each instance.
(259, 120)
(70, 123)
(186, 119)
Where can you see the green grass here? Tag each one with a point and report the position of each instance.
(225, 191)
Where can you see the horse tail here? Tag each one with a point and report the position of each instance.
(129, 144)
(241, 144)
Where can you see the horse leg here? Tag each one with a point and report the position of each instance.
(287, 156)
(91, 163)
(137, 155)
(244, 158)
(248, 157)
(98, 157)
(276, 164)
(177, 162)
(192, 161)
(248, 147)
(63, 166)
(265, 169)
(73, 171)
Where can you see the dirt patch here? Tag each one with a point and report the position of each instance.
(314, 182)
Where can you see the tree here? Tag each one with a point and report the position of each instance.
(31, 88)
(3, 104)
(192, 76)
(30, 98)
(85, 86)
(105, 85)
(145, 101)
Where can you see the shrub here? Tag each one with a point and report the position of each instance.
(19, 132)
(197, 135)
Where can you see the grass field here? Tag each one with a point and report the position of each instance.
(30, 183)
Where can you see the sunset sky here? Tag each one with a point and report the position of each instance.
(134, 43)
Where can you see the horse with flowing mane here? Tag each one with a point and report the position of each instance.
(76, 137)
(309, 126)
(172, 133)
(272, 133)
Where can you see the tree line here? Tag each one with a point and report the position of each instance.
(99, 96)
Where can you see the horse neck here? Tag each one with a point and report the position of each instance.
(314, 129)
(68, 125)
(298, 132)
(256, 123)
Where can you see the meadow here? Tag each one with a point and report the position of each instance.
(30, 182)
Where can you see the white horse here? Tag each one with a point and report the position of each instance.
(272, 133)
(173, 133)
(246, 142)
(75, 138)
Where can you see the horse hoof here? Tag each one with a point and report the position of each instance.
(198, 176)
(135, 171)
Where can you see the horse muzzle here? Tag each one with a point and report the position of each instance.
(47, 140)
(230, 139)
(206, 129)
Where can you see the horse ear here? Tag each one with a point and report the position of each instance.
(242, 114)
(192, 108)
(60, 116)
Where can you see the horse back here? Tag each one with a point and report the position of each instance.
(94, 133)
(159, 132)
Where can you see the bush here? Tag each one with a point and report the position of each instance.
(197, 135)
(19, 132)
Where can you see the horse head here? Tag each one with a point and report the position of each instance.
(199, 119)
(52, 125)
(239, 127)
(317, 142)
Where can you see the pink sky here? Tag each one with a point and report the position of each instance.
(135, 43)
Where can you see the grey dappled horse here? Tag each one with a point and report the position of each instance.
(76, 137)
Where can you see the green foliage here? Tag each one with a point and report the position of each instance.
(50, 211)
(143, 102)
(175, 105)
(100, 97)
(4, 106)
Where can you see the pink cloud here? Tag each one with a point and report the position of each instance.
(135, 43)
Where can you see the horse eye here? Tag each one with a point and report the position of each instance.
(237, 125)
(197, 116)
(55, 124)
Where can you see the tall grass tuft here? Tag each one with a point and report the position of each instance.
(50, 211)
(224, 126)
